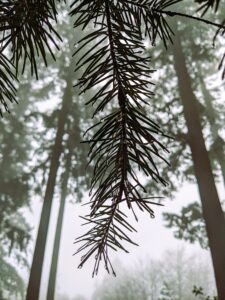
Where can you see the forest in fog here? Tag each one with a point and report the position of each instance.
(112, 150)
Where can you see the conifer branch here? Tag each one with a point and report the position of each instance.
(7, 88)
(152, 16)
(126, 139)
(26, 31)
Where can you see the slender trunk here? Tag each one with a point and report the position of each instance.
(179, 277)
(38, 257)
(220, 155)
(211, 207)
(55, 255)
(218, 142)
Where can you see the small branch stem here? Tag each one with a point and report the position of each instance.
(173, 14)
(122, 151)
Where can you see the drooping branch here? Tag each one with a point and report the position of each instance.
(154, 12)
(126, 140)
(26, 31)
(7, 88)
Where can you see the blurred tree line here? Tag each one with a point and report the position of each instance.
(170, 278)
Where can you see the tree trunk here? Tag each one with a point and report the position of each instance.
(211, 207)
(55, 255)
(220, 155)
(218, 142)
(38, 257)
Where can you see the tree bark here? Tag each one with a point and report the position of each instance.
(211, 207)
(218, 142)
(220, 155)
(33, 289)
(55, 255)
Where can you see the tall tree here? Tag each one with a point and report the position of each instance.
(55, 255)
(192, 109)
(211, 207)
(62, 122)
(218, 145)
(199, 60)
(75, 170)
(38, 257)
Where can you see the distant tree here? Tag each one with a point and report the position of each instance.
(201, 62)
(199, 293)
(211, 207)
(38, 257)
(188, 224)
(169, 278)
(11, 284)
(166, 293)
(14, 194)
(60, 154)
(188, 57)
(74, 178)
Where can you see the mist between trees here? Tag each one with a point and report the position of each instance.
(170, 278)
(40, 151)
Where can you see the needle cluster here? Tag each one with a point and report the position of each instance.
(26, 31)
(126, 140)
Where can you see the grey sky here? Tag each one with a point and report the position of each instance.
(153, 239)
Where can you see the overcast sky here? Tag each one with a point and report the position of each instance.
(153, 239)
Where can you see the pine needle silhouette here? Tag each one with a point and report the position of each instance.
(26, 31)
